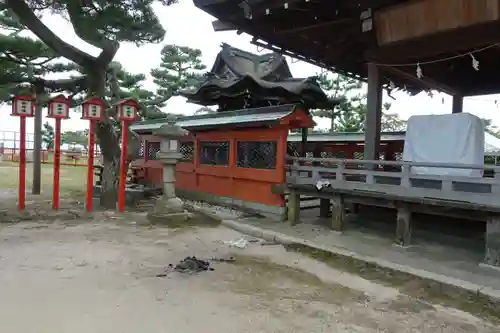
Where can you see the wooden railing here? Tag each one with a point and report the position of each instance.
(370, 177)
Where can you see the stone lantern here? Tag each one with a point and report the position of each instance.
(168, 156)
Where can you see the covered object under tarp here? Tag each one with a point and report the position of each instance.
(451, 138)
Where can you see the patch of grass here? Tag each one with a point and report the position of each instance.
(73, 179)
(274, 281)
(413, 286)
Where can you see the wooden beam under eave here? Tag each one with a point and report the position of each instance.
(424, 82)
(437, 45)
(321, 25)
(219, 25)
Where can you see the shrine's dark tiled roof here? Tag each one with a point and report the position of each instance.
(237, 73)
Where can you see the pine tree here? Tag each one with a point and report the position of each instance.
(350, 114)
(348, 91)
(180, 68)
(102, 24)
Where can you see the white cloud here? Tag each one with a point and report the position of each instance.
(187, 25)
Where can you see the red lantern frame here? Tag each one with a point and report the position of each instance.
(22, 98)
(87, 108)
(121, 109)
(54, 102)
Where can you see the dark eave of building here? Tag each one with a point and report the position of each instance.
(329, 34)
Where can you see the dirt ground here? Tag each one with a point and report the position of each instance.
(101, 276)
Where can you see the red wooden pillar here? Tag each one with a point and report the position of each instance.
(22, 164)
(123, 167)
(90, 166)
(57, 164)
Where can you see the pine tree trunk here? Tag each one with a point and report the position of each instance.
(37, 145)
(110, 180)
(110, 150)
(110, 147)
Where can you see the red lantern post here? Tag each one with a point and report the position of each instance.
(126, 113)
(92, 110)
(58, 109)
(22, 107)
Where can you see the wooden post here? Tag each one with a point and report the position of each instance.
(57, 165)
(90, 166)
(293, 207)
(403, 228)
(492, 256)
(458, 104)
(37, 144)
(22, 163)
(338, 213)
(123, 167)
(373, 116)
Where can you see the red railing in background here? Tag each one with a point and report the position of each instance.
(68, 157)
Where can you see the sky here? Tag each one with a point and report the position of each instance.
(187, 25)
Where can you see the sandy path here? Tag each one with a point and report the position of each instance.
(101, 277)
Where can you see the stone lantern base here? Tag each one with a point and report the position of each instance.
(169, 209)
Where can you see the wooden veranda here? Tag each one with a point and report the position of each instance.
(411, 45)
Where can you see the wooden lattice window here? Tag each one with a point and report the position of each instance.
(256, 154)
(186, 148)
(214, 153)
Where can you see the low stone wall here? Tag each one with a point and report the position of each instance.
(244, 206)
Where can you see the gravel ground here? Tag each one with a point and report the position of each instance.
(101, 276)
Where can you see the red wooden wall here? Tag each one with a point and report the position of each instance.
(248, 184)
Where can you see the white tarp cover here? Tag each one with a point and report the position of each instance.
(452, 138)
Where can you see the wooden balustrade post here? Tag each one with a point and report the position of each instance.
(338, 213)
(370, 179)
(295, 171)
(495, 188)
(403, 219)
(403, 225)
(447, 186)
(293, 207)
(492, 255)
(405, 175)
(339, 173)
